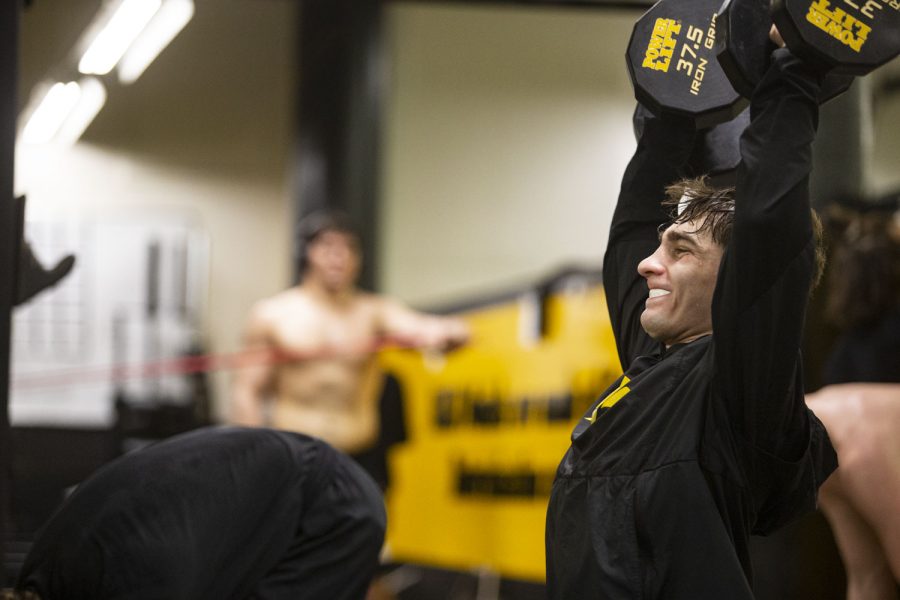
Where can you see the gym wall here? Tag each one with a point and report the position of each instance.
(884, 174)
(189, 141)
(506, 134)
(506, 131)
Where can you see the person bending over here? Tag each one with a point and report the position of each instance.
(216, 514)
(705, 439)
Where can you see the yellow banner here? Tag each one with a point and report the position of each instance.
(487, 428)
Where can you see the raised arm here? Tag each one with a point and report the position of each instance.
(255, 374)
(408, 327)
(664, 145)
(760, 300)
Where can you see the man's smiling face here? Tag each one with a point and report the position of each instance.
(681, 277)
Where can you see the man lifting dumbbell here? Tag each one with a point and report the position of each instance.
(706, 438)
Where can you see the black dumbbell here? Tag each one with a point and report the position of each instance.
(672, 61)
(670, 54)
(849, 36)
(716, 152)
(744, 48)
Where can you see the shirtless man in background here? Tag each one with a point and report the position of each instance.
(323, 334)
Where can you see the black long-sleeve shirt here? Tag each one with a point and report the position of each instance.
(700, 445)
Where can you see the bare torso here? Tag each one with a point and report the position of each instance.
(861, 498)
(329, 382)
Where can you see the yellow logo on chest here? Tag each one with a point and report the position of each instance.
(613, 397)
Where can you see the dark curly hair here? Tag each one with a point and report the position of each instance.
(712, 208)
(864, 282)
(315, 224)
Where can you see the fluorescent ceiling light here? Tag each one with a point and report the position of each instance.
(93, 97)
(50, 114)
(113, 40)
(171, 19)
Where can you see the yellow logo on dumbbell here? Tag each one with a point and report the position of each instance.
(838, 24)
(662, 45)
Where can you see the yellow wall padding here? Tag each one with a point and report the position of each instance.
(487, 428)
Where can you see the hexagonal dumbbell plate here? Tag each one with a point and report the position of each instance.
(851, 36)
(673, 67)
(744, 48)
